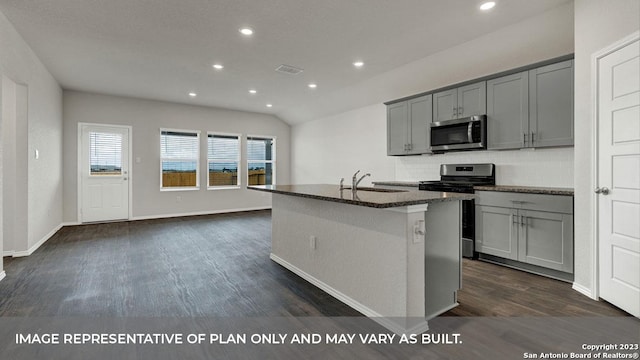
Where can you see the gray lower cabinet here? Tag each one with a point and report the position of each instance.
(409, 126)
(496, 231)
(460, 102)
(531, 109)
(529, 228)
(546, 239)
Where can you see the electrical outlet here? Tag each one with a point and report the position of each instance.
(312, 242)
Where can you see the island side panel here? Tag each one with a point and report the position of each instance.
(442, 257)
(360, 254)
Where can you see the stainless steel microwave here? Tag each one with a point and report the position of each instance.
(468, 133)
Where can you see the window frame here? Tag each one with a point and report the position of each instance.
(273, 155)
(181, 188)
(238, 160)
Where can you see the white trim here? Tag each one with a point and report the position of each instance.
(196, 213)
(176, 188)
(79, 149)
(594, 292)
(8, 253)
(368, 312)
(2, 274)
(38, 244)
(224, 187)
(584, 290)
(410, 208)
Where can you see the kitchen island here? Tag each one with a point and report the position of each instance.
(393, 255)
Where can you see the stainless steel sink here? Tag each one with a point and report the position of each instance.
(364, 188)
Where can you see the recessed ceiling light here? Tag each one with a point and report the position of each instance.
(218, 66)
(246, 31)
(252, 91)
(358, 64)
(192, 94)
(312, 85)
(487, 5)
(269, 105)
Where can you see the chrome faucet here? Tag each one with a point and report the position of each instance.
(341, 184)
(355, 181)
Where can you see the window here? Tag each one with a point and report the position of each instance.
(179, 159)
(261, 160)
(105, 153)
(223, 157)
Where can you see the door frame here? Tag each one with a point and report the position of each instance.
(595, 123)
(79, 149)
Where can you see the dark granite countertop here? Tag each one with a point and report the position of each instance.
(397, 183)
(374, 197)
(527, 189)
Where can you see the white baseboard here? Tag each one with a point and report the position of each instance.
(38, 244)
(2, 274)
(368, 312)
(197, 213)
(584, 291)
(8, 253)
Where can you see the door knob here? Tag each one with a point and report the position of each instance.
(602, 190)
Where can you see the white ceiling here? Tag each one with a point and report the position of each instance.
(163, 49)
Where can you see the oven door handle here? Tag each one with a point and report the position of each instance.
(470, 132)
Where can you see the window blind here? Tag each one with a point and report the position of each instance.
(259, 148)
(178, 145)
(223, 147)
(105, 153)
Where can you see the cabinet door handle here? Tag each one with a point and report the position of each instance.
(524, 139)
(460, 111)
(533, 138)
(409, 147)
(455, 112)
(523, 220)
(515, 219)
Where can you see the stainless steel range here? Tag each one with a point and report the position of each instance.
(462, 178)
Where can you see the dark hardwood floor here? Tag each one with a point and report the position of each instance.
(219, 265)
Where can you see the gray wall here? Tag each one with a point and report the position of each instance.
(36, 184)
(326, 149)
(147, 117)
(598, 23)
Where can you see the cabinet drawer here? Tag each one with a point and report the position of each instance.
(539, 202)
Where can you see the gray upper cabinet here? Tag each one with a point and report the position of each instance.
(420, 125)
(408, 126)
(472, 99)
(460, 102)
(531, 109)
(445, 104)
(507, 111)
(551, 105)
(397, 124)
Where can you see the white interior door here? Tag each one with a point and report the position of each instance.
(619, 177)
(104, 172)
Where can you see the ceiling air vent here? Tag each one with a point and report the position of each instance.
(288, 69)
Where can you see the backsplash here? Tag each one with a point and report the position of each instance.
(528, 167)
